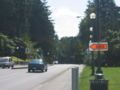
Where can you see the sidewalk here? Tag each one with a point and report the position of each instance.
(20, 66)
(61, 82)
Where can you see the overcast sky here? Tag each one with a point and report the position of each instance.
(64, 14)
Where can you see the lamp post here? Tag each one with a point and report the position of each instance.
(99, 70)
(92, 17)
(99, 83)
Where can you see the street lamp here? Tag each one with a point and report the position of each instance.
(99, 72)
(92, 17)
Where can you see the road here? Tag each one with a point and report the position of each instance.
(58, 77)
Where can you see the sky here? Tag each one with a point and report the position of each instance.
(65, 13)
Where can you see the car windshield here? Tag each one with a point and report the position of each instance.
(40, 61)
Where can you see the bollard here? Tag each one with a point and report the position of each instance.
(75, 78)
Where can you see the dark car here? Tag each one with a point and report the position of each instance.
(37, 64)
(6, 62)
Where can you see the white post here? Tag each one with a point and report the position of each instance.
(75, 78)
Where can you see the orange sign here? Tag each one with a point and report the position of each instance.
(98, 46)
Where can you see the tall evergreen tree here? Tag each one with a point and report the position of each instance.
(107, 20)
(28, 18)
(41, 27)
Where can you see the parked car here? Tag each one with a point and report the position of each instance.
(37, 64)
(55, 62)
(6, 62)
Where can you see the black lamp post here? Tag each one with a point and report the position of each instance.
(99, 83)
(99, 72)
(92, 17)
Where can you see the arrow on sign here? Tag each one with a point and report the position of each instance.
(101, 46)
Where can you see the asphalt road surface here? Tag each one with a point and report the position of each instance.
(58, 77)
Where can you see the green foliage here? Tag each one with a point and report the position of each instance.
(114, 48)
(20, 47)
(7, 46)
(108, 21)
(70, 50)
(42, 30)
(28, 24)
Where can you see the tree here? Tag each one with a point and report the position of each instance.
(41, 27)
(28, 18)
(108, 21)
(70, 50)
(112, 56)
(7, 46)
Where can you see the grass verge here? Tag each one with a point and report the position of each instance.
(110, 73)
